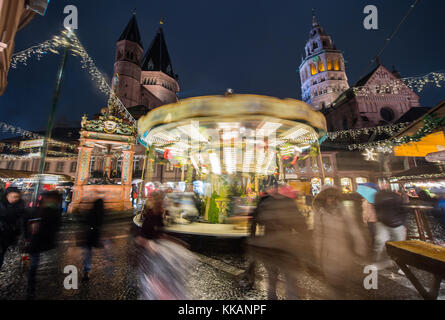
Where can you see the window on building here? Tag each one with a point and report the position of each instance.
(346, 185)
(60, 166)
(321, 67)
(47, 166)
(316, 186)
(92, 164)
(73, 166)
(361, 180)
(387, 114)
(169, 167)
(313, 69)
(329, 181)
(329, 64)
(336, 65)
(10, 165)
(25, 165)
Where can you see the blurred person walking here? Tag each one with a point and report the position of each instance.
(284, 247)
(338, 240)
(12, 217)
(164, 263)
(368, 192)
(43, 227)
(94, 222)
(390, 226)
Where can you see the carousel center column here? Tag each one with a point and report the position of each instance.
(82, 174)
(127, 176)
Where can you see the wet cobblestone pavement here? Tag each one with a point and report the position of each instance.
(216, 276)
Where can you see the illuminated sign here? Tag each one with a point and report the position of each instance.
(31, 144)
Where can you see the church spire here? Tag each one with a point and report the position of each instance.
(131, 32)
(314, 19)
(157, 57)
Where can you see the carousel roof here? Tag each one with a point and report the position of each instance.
(233, 106)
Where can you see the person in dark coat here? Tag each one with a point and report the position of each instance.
(12, 215)
(43, 227)
(94, 224)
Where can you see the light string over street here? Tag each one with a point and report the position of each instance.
(8, 128)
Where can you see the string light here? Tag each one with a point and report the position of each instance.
(356, 133)
(87, 63)
(399, 86)
(7, 128)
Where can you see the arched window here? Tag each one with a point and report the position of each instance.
(329, 64)
(314, 45)
(313, 69)
(336, 65)
(320, 66)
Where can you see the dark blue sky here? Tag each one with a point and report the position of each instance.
(252, 46)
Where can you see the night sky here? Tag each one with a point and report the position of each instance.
(252, 46)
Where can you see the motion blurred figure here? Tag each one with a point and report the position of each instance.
(164, 264)
(337, 240)
(44, 225)
(284, 247)
(12, 215)
(390, 226)
(94, 224)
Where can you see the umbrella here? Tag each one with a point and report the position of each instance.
(367, 191)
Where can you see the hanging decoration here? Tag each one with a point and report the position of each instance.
(398, 86)
(7, 128)
(430, 125)
(356, 133)
(370, 155)
(77, 49)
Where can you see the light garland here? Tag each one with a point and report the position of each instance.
(420, 176)
(430, 125)
(399, 86)
(355, 133)
(77, 49)
(7, 128)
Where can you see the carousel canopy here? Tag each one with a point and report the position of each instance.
(234, 133)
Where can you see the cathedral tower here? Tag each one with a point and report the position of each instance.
(322, 71)
(128, 59)
(158, 77)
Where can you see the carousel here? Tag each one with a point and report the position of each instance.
(235, 146)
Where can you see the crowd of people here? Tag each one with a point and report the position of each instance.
(327, 237)
(288, 235)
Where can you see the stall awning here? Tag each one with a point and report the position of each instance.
(431, 143)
